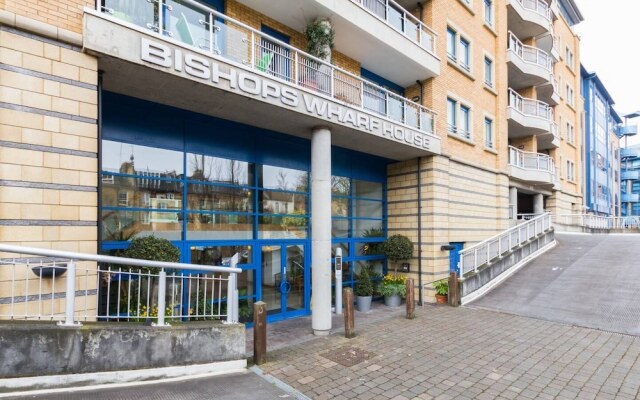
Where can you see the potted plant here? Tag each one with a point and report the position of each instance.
(393, 288)
(364, 289)
(442, 291)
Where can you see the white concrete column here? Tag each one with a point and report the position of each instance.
(321, 230)
(513, 202)
(538, 203)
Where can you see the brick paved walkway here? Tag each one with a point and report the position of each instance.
(462, 353)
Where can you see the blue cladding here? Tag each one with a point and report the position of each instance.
(132, 120)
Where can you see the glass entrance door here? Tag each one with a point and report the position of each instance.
(283, 279)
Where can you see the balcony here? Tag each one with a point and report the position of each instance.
(629, 130)
(382, 35)
(528, 117)
(549, 92)
(528, 66)
(549, 140)
(533, 168)
(626, 175)
(630, 198)
(529, 18)
(555, 9)
(629, 152)
(213, 64)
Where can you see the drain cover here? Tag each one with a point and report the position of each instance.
(347, 356)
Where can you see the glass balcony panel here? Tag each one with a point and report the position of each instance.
(187, 24)
(141, 13)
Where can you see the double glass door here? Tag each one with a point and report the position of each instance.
(284, 278)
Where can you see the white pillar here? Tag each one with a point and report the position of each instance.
(321, 230)
(513, 202)
(538, 204)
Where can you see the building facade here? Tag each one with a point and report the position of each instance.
(630, 181)
(601, 148)
(208, 123)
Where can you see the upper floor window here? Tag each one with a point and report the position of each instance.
(571, 138)
(488, 12)
(451, 44)
(465, 54)
(458, 118)
(488, 72)
(570, 95)
(459, 49)
(570, 171)
(488, 133)
(568, 57)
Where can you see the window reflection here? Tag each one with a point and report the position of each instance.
(124, 191)
(132, 159)
(272, 202)
(219, 170)
(125, 225)
(340, 186)
(283, 179)
(369, 190)
(282, 227)
(219, 198)
(212, 226)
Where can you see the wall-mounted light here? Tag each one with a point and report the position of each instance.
(415, 99)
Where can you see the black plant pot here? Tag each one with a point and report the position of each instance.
(50, 271)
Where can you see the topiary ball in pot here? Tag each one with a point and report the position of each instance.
(398, 248)
(152, 248)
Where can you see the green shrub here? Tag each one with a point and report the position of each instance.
(364, 287)
(442, 287)
(151, 248)
(393, 284)
(398, 248)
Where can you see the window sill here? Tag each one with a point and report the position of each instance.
(460, 69)
(572, 144)
(490, 28)
(570, 69)
(468, 6)
(490, 89)
(491, 150)
(571, 106)
(460, 138)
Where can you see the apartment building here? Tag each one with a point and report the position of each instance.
(602, 125)
(209, 123)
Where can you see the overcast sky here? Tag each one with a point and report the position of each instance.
(610, 36)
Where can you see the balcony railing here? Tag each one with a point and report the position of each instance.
(530, 107)
(598, 222)
(529, 54)
(531, 161)
(205, 29)
(399, 19)
(537, 6)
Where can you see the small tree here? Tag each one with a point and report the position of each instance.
(364, 287)
(152, 248)
(398, 248)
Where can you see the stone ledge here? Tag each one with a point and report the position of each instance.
(40, 28)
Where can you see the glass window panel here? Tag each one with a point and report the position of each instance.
(220, 255)
(209, 226)
(183, 21)
(367, 209)
(370, 190)
(362, 226)
(283, 179)
(219, 170)
(125, 225)
(340, 207)
(377, 267)
(140, 13)
(272, 202)
(340, 186)
(343, 246)
(282, 227)
(122, 191)
(451, 115)
(134, 159)
(219, 198)
(451, 43)
(339, 228)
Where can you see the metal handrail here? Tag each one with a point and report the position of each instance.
(293, 66)
(70, 259)
(598, 221)
(531, 161)
(381, 10)
(529, 54)
(494, 247)
(530, 107)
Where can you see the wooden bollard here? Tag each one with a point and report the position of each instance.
(349, 316)
(454, 290)
(259, 332)
(411, 301)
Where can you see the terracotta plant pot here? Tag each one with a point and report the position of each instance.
(441, 299)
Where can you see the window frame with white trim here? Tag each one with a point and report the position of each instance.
(459, 49)
(459, 111)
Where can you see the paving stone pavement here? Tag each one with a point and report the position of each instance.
(463, 353)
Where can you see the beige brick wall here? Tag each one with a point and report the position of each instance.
(65, 14)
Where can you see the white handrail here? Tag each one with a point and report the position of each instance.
(384, 10)
(537, 6)
(531, 161)
(598, 221)
(282, 61)
(66, 262)
(529, 54)
(484, 252)
(530, 107)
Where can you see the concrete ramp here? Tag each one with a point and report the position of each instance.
(586, 280)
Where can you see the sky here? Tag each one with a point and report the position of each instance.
(610, 38)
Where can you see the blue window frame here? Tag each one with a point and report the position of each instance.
(452, 115)
(452, 44)
(465, 122)
(488, 12)
(488, 72)
(465, 54)
(488, 133)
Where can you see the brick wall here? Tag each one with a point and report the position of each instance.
(65, 14)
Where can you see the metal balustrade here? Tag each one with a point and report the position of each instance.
(488, 250)
(401, 20)
(531, 161)
(43, 284)
(598, 222)
(205, 29)
(530, 54)
(530, 107)
(537, 6)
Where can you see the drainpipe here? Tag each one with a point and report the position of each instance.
(421, 11)
(99, 204)
(420, 300)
